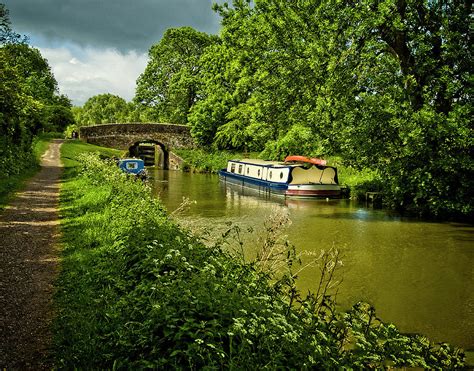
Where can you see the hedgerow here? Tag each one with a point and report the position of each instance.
(137, 291)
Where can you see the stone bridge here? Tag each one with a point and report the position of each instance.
(133, 136)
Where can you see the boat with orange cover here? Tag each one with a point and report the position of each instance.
(297, 176)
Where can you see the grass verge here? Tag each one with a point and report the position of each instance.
(136, 291)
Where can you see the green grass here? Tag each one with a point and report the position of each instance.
(138, 292)
(71, 150)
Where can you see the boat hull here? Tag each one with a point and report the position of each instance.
(313, 190)
(284, 189)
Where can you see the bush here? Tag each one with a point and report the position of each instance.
(198, 160)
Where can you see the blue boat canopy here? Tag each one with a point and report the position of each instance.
(132, 165)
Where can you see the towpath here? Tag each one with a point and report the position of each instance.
(29, 236)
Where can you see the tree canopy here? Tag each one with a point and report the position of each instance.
(383, 83)
(168, 88)
(103, 109)
(29, 98)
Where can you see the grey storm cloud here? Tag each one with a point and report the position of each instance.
(121, 24)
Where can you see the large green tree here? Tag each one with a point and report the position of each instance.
(168, 88)
(29, 99)
(400, 98)
(103, 109)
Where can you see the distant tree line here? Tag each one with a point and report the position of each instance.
(385, 84)
(29, 100)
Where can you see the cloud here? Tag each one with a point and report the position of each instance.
(98, 46)
(84, 72)
(121, 24)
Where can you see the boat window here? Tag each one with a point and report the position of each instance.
(131, 165)
(281, 175)
(240, 169)
(270, 175)
(232, 168)
(258, 172)
(248, 169)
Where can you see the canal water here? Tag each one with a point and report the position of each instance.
(418, 274)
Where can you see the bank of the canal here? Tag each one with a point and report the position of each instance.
(138, 291)
(418, 274)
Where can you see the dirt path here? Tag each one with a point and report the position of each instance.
(29, 234)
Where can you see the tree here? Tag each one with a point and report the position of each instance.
(29, 100)
(103, 109)
(7, 35)
(59, 114)
(406, 110)
(168, 87)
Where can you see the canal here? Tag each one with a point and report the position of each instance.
(418, 274)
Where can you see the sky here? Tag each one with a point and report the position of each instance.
(101, 46)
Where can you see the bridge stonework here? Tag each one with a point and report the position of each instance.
(123, 136)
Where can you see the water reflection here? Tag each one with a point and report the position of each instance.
(418, 274)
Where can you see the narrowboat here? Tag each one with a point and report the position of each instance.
(297, 176)
(134, 166)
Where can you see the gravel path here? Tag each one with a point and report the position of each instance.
(29, 236)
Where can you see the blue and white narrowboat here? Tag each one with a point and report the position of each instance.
(134, 166)
(296, 176)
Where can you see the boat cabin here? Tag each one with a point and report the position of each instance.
(280, 172)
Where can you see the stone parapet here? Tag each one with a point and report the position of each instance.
(123, 136)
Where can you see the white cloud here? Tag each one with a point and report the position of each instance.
(84, 72)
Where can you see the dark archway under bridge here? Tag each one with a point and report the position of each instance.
(128, 137)
(152, 152)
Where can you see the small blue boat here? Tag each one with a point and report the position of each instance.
(134, 166)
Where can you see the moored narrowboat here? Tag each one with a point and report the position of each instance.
(134, 166)
(296, 176)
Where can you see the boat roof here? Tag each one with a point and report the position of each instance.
(256, 161)
(131, 159)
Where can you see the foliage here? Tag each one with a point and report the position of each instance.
(72, 150)
(198, 160)
(384, 84)
(139, 292)
(7, 35)
(29, 101)
(102, 109)
(168, 87)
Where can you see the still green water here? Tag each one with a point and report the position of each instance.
(418, 274)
